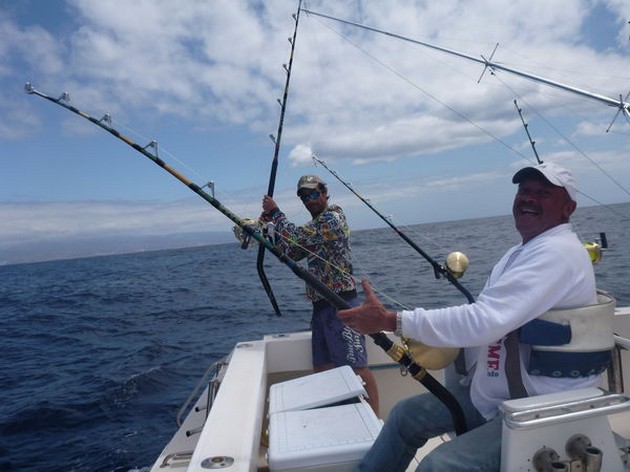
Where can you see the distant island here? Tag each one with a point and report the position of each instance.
(55, 249)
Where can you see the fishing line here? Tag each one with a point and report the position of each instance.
(162, 150)
(533, 145)
(358, 273)
(622, 106)
(420, 89)
(355, 274)
(108, 118)
(412, 227)
(568, 140)
(260, 267)
(395, 352)
(316, 110)
(586, 156)
(580, 151)
(437, 268)
(623, 133)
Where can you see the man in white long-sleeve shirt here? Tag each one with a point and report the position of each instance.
(549, 270)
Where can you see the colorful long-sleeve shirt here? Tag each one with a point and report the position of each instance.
(324, 241)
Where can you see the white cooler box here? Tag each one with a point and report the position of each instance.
(307, 435)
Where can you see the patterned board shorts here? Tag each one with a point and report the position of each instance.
(333, 342)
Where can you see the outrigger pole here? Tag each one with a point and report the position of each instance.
(393, 350)
(274, 165)
(438, 269)
(620, 104)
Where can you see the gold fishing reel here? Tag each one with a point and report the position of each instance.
(594, 252)
(244, 238)
(429, 357)
(435, 358)
(457, 263)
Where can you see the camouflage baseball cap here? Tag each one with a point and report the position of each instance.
(310, 182)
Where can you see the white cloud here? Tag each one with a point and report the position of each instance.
(220, 60)
(206, 75)
(301, 154)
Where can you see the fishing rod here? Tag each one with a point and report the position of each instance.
(529, 136)
(393, 350)
(457, 264)
(594, 249)
(274, 164)
(622, 105)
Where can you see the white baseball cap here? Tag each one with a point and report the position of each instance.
(555, 174)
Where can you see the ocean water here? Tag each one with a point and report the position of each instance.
(99, 353)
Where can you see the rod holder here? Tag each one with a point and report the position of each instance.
(547, 460)
(580, 449)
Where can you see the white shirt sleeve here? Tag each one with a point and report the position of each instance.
(533, 283)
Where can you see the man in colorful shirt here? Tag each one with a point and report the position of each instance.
(324, 242)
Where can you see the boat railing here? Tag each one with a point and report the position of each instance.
(170, 459)
(608, 403)
(213, 386)
(615, 369)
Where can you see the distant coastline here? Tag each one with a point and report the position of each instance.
(57, 249)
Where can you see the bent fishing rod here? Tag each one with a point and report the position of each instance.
(438, 269)
(393, 350)
(620, 103)
(274, 165)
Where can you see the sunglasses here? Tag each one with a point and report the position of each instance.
(310, 196)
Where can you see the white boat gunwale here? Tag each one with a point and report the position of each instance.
(234, 431)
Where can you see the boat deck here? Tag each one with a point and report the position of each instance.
(236, 427)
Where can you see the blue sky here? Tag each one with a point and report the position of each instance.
(410, 128)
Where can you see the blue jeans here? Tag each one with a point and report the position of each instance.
(415, 420)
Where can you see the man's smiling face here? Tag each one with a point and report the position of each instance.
(539, 206)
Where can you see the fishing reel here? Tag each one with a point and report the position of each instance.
(457, 263)
(429, 357)
(596, 249)
(436, 358)
(256, 226)
(594, 252)
(242, 236)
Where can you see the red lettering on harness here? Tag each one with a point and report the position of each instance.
(494, 356)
